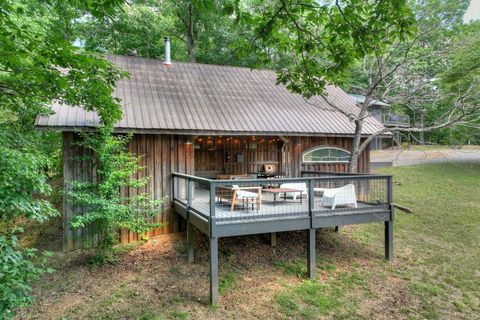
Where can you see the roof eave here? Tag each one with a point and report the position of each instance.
(201, 132)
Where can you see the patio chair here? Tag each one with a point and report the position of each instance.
(333, 197)
(300, 186)
(242, 194)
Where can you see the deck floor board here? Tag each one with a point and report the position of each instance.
(281, 210)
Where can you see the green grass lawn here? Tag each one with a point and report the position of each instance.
(435, 273)
(433, 147)
(437, 266)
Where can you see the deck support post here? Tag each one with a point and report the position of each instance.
(213, 270)
(389, 222)
(312, 264)
(273, 239)
(389, 240)
(213, 247)
(190, 254)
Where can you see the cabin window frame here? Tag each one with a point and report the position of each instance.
(323, 147)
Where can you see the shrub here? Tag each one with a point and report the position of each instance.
(104, 204)
(18, 268)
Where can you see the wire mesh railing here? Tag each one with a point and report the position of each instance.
(250, 200)
(392, 119)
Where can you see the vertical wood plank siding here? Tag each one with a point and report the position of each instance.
(163, 154)
(218, 155)
(301, 144)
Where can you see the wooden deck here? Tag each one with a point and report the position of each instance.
(282, 210)
(203, 209)
(270, 210)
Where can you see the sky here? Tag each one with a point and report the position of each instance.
(473, 11)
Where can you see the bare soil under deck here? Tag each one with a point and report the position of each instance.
(153, 280)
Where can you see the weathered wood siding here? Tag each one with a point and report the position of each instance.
(300, 144)
(220, 155)
(164, 154)
(77, 165)
(161, 155)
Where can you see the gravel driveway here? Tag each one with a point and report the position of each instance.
(409, 157)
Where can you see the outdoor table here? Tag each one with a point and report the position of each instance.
(277, 191)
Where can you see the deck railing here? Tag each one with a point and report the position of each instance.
(319, 174)
(221, 202)
(396, 120)
(224, 208)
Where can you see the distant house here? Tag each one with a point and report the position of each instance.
(382, 112)
(209, 121)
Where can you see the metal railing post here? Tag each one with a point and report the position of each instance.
(174, 187)
(390, 189)
(189, 194)
(311, 201)
(212, 217)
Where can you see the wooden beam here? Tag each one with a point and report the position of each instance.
(403, 208)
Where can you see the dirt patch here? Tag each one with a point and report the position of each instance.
(154, 279)
(43, 236)
(414, 156)
(390, 298)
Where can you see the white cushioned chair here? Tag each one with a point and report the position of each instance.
(338, 196)
(300, 186)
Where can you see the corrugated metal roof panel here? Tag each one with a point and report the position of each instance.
(197, 98)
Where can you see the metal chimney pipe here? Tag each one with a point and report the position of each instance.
(167, 61)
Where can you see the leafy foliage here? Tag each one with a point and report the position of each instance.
(460, 79)
(140, 26)
(323, 40)
(463, 59)
(18, 268)
(21, 181)
(417, 87)
(135, 28)
(39, 65)
(106, 206)
(23, 186)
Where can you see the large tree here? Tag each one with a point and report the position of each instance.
(38, 65)
(135, 27)
(325, 41)
(413, 87)
(202, 31)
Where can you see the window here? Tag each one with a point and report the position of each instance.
(326, 155)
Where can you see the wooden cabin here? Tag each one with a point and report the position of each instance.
(209, 121)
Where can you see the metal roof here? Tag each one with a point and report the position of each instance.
(361, 99)
(192, 98)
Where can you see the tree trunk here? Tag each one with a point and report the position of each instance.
(190, 35)
(421, 135)
(353, 163)
(357, 138)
